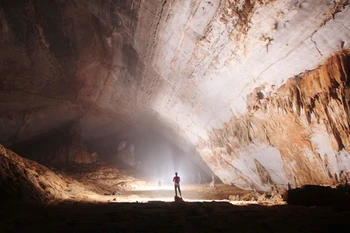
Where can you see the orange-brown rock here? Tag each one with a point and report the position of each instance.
(298, 134)
(203, 74)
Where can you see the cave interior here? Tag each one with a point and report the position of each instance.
(102, 101)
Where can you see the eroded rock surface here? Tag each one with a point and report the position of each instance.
(69, 150)
(27, 180)
(24, 180)
(186, 69)
(297, 135)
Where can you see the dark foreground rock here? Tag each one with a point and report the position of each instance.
(24, 179)
(178, 199)
(311, 195)
(163, 217)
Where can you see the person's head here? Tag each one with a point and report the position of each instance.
(175, 173)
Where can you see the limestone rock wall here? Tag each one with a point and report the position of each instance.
(213, 54)
(185, 69)
(63, 61)
(298, 134)
(69, 149)
(126, 153)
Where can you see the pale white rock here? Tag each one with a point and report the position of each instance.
(212, 71)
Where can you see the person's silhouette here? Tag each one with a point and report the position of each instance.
(176, 181)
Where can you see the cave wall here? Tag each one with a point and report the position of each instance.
(298, 134)
(190, 70)
(213, 54)
(62, 61)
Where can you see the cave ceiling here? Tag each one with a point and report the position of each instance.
(183, 68)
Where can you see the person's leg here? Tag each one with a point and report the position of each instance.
(179, 190)
(175, 190)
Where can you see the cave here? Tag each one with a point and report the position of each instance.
(103, 101)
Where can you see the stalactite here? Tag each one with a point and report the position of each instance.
(287, 118)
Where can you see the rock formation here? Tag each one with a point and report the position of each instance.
(25, 179)
(126, 154)
(257, 89)
(69, 149)
(298, 134)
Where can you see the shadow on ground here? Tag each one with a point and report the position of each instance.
(313, 195)
(170, 217)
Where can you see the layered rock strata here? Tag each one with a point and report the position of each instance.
(184, 69)
(297, 135)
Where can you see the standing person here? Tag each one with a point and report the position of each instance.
(176, 181)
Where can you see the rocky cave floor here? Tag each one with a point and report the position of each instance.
(101, 198)
(204, 209)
